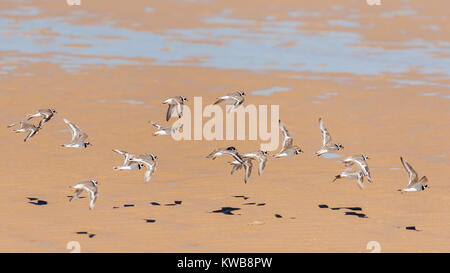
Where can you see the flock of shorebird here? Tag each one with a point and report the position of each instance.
(138, 161)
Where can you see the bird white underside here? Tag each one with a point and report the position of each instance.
(73, 145)
(129, 167)
(235, 162)
(322, 151)
(162, 133)
(148, 176)
(230, 99)
(217, 154)
(410, 189)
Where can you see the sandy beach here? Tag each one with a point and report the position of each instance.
(377, 75)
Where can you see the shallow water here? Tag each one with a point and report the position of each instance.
(223, 42)
(270, 91)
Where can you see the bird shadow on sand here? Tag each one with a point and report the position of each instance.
(348, 208)
(360, 215)
(124, 205)
(249, 203)
(37, 201)
(281, 216)
(90, 235)
(412, 228)
(176, 202)
(350, 212)
(80, 197)
(254, 204)
(226, 210)
(241, 196)
(149, 220)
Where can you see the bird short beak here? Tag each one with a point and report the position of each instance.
(337, 177)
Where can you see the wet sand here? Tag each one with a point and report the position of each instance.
(384, 115)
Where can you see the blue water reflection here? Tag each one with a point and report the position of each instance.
(276, 45)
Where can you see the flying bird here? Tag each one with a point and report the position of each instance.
(288, 149)
(327, 144)
(351, 174)
(127, 164)
(225, 151)
(90, 187)
(259, 155)
(414, 183)
(147, 160)
(46, 114)
(78, 137)
(175, 103)
(238, 161)
(246, 163)
(236, 97)
(26, 127)
(359, 160)
(165, 131)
